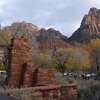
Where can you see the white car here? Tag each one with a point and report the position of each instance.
(88, 75)
(66, 74)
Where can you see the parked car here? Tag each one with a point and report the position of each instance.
(93, 74)
(69, 73)
(88, 75)
(2, 72)
(66, 74)
(83, 75)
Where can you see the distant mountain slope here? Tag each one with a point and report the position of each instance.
(24, 29)
(45, 34)
(53, 43)
(21, 29)
(40, 39)
(89, 28)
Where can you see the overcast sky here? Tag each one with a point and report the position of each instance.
(62, 15)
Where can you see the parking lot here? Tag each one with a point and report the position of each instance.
(81, 75)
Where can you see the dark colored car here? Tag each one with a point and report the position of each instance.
(66, 74)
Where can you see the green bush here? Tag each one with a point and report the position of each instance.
(88, 89)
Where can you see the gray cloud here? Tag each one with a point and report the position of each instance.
(63, 15)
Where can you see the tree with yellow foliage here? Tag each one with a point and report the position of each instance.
(42, 60)
(5, 40)
(60, 59)
(4, 37)
(71, 64)
(81, 60)
(60, 64)
(94, 49)
(71, 60)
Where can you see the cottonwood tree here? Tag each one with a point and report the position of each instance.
(5, 40)
(71, 60)
(42, 60)
(81, 60)
(94, 49)
(60, 59)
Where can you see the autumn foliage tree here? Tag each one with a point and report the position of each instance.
(81, 60)
(94, 49)
(5, 40)
(42, 60)
(71, 60)
(60, 60)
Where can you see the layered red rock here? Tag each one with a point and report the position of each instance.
(53, 43)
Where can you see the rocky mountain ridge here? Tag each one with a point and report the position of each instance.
(51, 39)
(41, 40)
(89, 28)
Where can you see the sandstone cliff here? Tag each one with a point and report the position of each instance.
(45, 34)
(89, 28)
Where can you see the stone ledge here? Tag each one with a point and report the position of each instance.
(40, 88)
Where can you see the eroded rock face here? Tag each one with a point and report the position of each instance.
(91, 22)
(45, 34)
(52, 44)
(22, 29)
(90, 26)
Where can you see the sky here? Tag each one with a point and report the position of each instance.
(62, 15)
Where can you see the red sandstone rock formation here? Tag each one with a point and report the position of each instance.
(53, 44)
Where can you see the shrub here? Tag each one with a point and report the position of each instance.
(88, 89)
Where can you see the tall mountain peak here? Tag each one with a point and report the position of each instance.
(93, 9)
(52, 29)
(90, 26)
